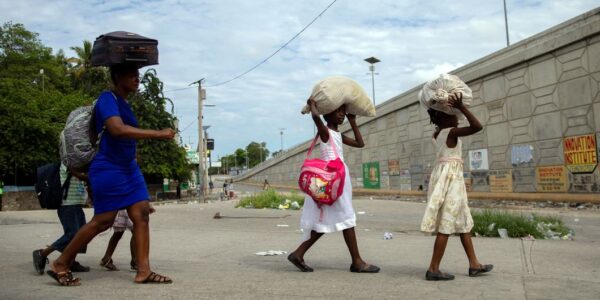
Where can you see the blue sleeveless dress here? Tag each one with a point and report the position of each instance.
(115, 176)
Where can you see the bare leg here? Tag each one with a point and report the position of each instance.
(45, 252)
(467, 243)
(350, 238)
(112, 245)
(299, 253)
(139, 213)
(438, 252)
(132, 250)
(98, 224)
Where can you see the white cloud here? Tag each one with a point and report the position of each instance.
(415, 41)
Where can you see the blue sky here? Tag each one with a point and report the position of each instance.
(217, 40)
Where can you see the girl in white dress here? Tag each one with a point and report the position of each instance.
(340, 215)
(447, 209)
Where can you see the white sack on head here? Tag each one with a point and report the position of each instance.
(332, 92)
(435, 93)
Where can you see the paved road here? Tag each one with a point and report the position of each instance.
(215, 258)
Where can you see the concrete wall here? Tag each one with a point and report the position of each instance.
(529, 96)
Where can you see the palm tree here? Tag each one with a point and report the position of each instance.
(83, 60)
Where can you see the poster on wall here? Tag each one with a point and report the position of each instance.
(394, 167)
(478, 159)
(405, 179)
(371, 176)
(580, 153)
(551, 179)
(501, 181)
(521, 155)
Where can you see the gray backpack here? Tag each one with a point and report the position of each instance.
(78, 141)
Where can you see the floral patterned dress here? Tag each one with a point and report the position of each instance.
(447, 209)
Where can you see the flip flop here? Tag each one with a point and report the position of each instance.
(155, 278)
(365, 268)
(299, 264)
(64, 278)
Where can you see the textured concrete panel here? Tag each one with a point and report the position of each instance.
(494, 89)
(547, 126)
(498, 134)
(574, 92)
(577, 121)
(542, 74)
(519, 106)
(593, 55)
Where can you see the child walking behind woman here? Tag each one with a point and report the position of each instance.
(340, 215)
(447, 208)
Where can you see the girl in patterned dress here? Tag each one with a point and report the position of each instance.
(447, 209)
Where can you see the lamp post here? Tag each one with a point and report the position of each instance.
(372, 60)
(506, 24)
(204, 142)
(201, 97)
(281, 133)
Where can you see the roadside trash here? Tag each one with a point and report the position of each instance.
(491, 227)
(217, 216)
(388, 236)
(370, 198)
(283, 225)
(295, 205)
(271, 253)
(284, 206)
(528, 237)
(576, 220)
(581, 206)
(503, 233)
(361, 212)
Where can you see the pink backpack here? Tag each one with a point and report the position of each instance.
(322, 180)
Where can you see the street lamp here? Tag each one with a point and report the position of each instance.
(506, 24)
(372, 60)
(281, 133)
(204, 143)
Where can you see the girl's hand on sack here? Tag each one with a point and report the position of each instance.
(455, 100)
(311, 102)
(166, 134)
(351, 117)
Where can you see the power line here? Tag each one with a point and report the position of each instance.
(264, 60)
(277, 51)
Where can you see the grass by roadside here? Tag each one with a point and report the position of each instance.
(272, 199)
(487, 223)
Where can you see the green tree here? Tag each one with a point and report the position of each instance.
(257, 153)
(33, 105)
(158, 159)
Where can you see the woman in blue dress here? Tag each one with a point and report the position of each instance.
(115, 178)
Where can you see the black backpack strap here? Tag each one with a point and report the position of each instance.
(66, 185)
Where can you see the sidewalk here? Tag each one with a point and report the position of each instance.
(215, 258)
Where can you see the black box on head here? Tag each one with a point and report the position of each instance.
(121, 47)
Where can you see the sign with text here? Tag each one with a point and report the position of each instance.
(393, 167)
(478, 159)
(501, 181)
(371, 176)
(580, 153)
(551, 179)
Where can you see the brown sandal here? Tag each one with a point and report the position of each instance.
(156, 278)
(108, 264)
(64, 278)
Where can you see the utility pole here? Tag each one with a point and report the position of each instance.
(201, 181)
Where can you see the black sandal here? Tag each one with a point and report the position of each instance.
(365, 268)
(430, 276)
(299, 264)
(482, 269)
(156, 278)
(39, 262)
(64, 278)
